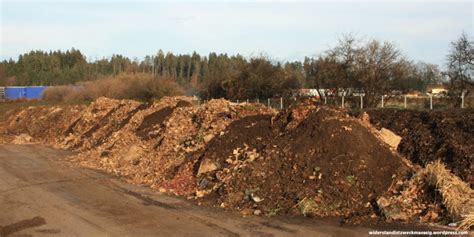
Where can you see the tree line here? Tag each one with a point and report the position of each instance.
(375, 66)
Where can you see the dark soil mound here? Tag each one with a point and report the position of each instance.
(183, 103)
(427, 136)
(150, 121)
(311, 161)
(254, 131)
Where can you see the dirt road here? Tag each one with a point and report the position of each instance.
(43, 195)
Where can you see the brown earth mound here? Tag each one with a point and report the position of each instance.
(98, 121)
(145, 130)
(317, 161)
(428, 136)
(309, 159)
(44, 124)
(145, 143)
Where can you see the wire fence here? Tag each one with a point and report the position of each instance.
(359, 102)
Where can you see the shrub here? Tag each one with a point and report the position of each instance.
(143, 87)
(57, 93)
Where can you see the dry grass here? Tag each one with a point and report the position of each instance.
(457, 195)
(307, 206)
(468, 222)
(142, 87)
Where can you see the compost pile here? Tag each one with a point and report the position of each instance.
(309, 159)
(428, 136)
(142, 142)
(151, 145)
(39, 124)
(312, 160)
(432, 195)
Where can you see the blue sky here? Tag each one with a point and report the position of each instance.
(282, 30)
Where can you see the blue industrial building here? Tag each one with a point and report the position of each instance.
(22, 92)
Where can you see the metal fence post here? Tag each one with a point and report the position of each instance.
(431, 101)
(258, 101)
(405, 101)
(247, 101)
(342, 104)
(281, 102)
(237, 101)
(361, 102)
(325, 100)
(268, 102)
(382, 101)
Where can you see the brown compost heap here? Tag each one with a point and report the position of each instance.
(307, 160)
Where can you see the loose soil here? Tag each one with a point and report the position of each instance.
(307, 160)
(313, 161)
(428, 136)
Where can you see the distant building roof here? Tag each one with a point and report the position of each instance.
(436, 86)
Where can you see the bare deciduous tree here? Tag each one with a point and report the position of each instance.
(373, 66)
(461, 63)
